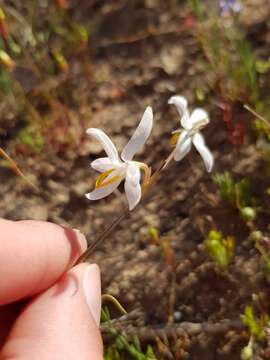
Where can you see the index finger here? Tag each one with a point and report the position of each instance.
(33, 255)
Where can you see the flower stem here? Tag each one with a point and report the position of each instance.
(102, 236)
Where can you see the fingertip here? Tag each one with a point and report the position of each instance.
(61, 321)
(33, 255)
(77, 241)
(92, 290)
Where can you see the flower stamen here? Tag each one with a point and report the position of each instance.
(101, 180)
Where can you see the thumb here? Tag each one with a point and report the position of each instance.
(62, 322)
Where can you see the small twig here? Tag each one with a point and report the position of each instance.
(148, 333)
(151, 32)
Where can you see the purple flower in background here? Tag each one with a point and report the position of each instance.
(229, 5)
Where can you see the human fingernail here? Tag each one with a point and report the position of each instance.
(92, 291)
(81, 239)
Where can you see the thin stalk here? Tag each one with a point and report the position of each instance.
(102, 236)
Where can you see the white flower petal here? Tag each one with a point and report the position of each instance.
(205, 153)
(183, 146)
(198, 117)
(132, 186)
(104, 191)
(181, 105)
(102, 164)
(105, 142)
(140, 135)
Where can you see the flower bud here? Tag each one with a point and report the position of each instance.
(256, 235)
(6, 60)
(61, 62)
(247, 353)
(248, 213)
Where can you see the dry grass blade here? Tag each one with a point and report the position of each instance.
(16, 169)
(253, 112)
(115, 302)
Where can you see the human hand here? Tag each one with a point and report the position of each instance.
(48, 310)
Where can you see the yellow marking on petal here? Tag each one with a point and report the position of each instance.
(103, 176)
(105, 183)
(174, 138)
(101, 180)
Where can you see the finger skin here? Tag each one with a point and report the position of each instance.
(33, 255)
(8, 314)
(58, 324)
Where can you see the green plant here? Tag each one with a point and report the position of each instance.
(32, 138)
(225, 183)
(243, 196)
(263, 66)
(121, 344)
(196, 7)
(221, 249)
(248, 70)
(237, 194)
(254, 324)
(261, 247)
(154, 235)
(228, 53)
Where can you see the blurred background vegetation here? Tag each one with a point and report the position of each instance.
(201, 247)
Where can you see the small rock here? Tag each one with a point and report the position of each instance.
(172, 59)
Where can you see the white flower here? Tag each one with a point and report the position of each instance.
(114, 170)
(190, 133)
